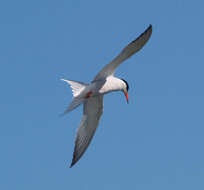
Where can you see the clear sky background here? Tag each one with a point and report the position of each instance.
(155, 142)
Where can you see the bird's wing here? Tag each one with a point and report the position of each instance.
(127, 52)
(93, 109)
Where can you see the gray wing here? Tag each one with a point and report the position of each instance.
(93, 109)
(127, 52)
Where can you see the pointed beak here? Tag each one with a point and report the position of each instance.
(126, 95)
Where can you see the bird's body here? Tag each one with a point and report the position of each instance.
(91, 95)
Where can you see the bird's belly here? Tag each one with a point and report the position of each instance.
(106, 88)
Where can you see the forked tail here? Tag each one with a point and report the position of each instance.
(77, 88)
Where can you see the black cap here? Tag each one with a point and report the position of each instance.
(127, 85)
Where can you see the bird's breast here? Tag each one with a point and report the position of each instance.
(111, 84)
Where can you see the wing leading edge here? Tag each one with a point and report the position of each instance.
(127, 52)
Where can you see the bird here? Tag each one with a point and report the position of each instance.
(91, 95)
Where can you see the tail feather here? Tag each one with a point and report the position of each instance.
(77, 87)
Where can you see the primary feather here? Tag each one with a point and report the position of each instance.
(127, 52)
(93, 109)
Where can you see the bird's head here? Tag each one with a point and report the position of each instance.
(125, 89)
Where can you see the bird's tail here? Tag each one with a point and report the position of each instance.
(77, 88)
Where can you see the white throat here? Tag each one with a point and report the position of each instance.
(112, 84)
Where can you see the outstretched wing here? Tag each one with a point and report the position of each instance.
(127, 52)
(93, 109)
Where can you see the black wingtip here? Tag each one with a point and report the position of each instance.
(71, 165)
(149, 28)
(73, 162)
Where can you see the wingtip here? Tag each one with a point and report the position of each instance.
(71, 165)
(73, 162)
(149, 27)
(148, 30)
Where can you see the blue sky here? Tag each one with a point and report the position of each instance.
(155, 142)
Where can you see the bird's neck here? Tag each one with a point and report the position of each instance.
(112, 84)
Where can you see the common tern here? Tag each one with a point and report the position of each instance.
(91, 95)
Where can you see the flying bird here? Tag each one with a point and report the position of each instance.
(91, 95)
